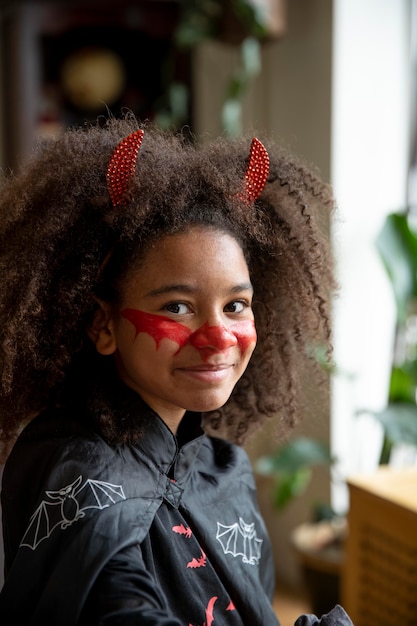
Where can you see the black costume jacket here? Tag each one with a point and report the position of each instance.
(161, 533)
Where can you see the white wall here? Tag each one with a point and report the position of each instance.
(369, 147)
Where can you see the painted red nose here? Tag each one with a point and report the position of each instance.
(215, 337)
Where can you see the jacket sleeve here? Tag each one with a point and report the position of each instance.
(336, 617)
(125, 594)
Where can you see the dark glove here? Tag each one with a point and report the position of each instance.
(336, 617)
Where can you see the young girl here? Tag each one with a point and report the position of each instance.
(135, 268)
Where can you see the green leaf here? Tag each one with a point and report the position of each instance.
(178, 99)
(294, 455)
(238, 84)
(288, 486)
(232, 117)
(403, 383)
(291, 466)
(198, 21)
(251, 56)
(399, 421)
(397, 246)
(253, 15)
(320, 353)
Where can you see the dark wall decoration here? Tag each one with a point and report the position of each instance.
(68, 63)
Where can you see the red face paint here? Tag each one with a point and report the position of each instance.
(218, 337)
(212, 336)
(157, 326)
(245, 333)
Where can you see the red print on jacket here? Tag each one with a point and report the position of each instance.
(209, 612)
(200, 562)
(182, 530)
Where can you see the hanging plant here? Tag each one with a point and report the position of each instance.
(242, 23)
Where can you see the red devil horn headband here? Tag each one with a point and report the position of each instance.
(257, 171)
(123, 163)
(122, 166)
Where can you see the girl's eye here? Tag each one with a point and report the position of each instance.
(178, 308)
(237, 306)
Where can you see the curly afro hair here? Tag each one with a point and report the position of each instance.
(63, 245)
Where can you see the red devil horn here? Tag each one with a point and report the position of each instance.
(257, 170)
(122, 166)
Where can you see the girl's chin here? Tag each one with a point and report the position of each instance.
(208, 404)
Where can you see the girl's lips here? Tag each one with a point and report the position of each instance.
(208, 373)
(208, 366)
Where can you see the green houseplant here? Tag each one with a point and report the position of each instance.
(397, 246)
(291, 466)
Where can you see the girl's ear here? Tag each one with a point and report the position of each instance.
(101, 331)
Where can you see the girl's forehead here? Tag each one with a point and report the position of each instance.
(197, 255)
(194, 241)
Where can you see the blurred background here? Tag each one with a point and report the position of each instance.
(333, 80)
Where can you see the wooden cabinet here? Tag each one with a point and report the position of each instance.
(379, 578)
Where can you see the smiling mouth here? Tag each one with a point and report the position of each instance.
(208, 373)
(204, 367)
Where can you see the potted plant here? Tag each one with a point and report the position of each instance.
(318, 543)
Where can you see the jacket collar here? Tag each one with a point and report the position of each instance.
(172, 454)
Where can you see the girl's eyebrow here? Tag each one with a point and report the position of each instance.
(242, 287)
(186, 288)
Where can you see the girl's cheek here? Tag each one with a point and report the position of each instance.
(245, 333)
